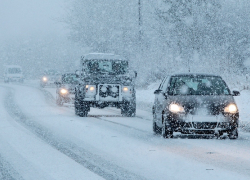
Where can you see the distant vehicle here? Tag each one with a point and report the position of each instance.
(105, 81)
(65, 92)
(195, 104)
(50, 76)
(13, 73)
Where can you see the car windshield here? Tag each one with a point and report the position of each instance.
(114, 67)
(69, 79)
(51, 72)
(198, 85)
(15, 71)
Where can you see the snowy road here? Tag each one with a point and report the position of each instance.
(39, 140)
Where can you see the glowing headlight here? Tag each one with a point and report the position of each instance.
(125, 89)
(63, 91)
(175, 108)
(231, 108)
(90, 88)
(45, 79)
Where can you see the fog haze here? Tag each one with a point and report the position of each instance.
(28, 18)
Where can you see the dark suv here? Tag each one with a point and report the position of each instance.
(195, 104)
(105, 81)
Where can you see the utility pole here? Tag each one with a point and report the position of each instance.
(140, 21)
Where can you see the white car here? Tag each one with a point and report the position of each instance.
(13, 73)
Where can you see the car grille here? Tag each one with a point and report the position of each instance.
(109, 91)
(204, 125)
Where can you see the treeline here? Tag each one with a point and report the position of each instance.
(166, 36)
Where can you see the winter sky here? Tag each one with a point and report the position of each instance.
(25, 18)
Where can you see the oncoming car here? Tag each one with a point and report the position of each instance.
(65, 92)
(49, 77)
(195, 104)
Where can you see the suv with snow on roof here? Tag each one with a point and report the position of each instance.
(105, 81)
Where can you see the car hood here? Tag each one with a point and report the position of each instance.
(205, 105)
(70, 87)
(108, 79)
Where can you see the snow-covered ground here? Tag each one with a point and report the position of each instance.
(39, 140)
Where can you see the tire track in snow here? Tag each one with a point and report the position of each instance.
(7, 172)
(94, 163)
(218, 160)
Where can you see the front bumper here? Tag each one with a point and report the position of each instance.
(109, 95)
(69, 98)
(202, 124)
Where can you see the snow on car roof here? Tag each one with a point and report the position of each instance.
(107, 56)
(194, 74)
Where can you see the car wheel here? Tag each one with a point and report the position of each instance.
(76, 108)
(233, 134)
(6, 81)
(128, 109)
(156, 129)
(59, 101)
(84, 108)
(219, 135)
(42, 85)
(166, 131)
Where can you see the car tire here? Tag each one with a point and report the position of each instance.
(128, 109)
(59, 101)
(83, 108)
(233, 134)
(42, 85)
(76, 107)
(166, 131)
(156, 129)
(6, 81)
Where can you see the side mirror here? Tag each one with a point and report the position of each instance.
(236, 93)
(77, 72)
(57, 83)
(157, 91)
(135, 74)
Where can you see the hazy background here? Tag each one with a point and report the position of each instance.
(33, 35)
(172, 36)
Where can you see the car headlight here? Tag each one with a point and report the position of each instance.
(45, 79)
(64, 91)
(90, 88)
(231, 108)
(175, 108)
(125, 89)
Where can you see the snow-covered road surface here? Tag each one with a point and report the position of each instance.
(39, 140)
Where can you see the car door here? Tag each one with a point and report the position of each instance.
(160, 101)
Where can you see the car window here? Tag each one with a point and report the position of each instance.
(161, 85)
(112, 67)
(14, 71)
(165, 84)
(69, 78)
(198, 85)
